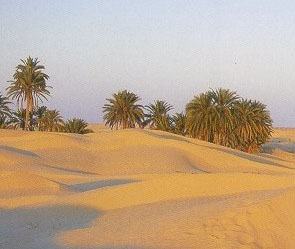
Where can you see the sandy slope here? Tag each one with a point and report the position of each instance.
(282, 144)
(142, 189)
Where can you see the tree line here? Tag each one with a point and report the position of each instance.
(217, 116)
(29, 87)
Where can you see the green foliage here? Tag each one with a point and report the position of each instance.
(18, 119)
(4, 107)
(223, 101)
(76, 125)
(163, 123)
(179, 124)
(201, 114)
(253, 125)
(29, 85)
(222, 117)
(40, 111)
(5, 123)
(158, 117)
(51, 121)
(122, 110)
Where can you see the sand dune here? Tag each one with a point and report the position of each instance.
(142, 189)
(282, 144)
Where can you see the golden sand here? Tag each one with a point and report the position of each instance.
(143, 189)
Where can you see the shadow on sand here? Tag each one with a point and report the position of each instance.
(250, 157)
(34, 228)
(66, 170)
(167, 135)
(253, 158)
(18, 151)
(83, 187)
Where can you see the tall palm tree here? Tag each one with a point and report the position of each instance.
(29, 85)
(51, 121)
(157, 115)
(123, 110)
(179, 124)
(4, 106)
(201, 117)
(76, 125)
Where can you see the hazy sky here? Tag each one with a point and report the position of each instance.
(160, 49)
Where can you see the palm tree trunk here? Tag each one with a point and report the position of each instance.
(207, 137)
(28, 111)
(27, 124)
(125, 124)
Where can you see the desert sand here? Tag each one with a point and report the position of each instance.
(144, 189)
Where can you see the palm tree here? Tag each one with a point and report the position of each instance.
(51, 121)
(18, 119)
(76, 125)
(163, 123)
(157, 116)
(4, 108)
(39, 113)
(179, 124)
(201, 117)
(253, 125)
(223, 101)
(122, 110)
(29, 85)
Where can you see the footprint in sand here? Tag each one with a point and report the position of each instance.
(234, 230)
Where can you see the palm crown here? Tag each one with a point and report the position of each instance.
(76, 125)
(123, 110)
(157, 116)
(51, 121)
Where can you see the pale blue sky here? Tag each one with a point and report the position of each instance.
(160, 49)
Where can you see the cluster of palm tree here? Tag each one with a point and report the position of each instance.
(122, 111)
(218, 116)
(29, 86)
(40, 119)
